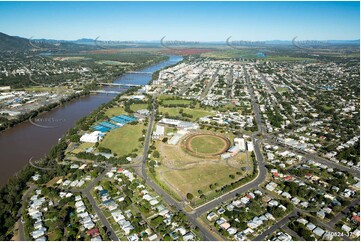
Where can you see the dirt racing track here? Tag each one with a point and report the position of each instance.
(206, 139)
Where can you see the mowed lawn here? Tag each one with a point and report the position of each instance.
(138, 106)
(82, 147)
(196, 113)
(200, 176)
(177, 101)
(281, 89)
(207, 144)
(124, 139)
(115, 111)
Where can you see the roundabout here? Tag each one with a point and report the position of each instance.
(206, 144)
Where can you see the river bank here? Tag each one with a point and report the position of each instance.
(26, 141)
(51, 106)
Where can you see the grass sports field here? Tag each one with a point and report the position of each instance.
(204, 176)
(199, 177)
(196, 113)
(207, 144)
(123, 140)
(114, 111)
(138, 106)
(180, 172)
(175, 102)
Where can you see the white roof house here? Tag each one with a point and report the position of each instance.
(240, 143)
(159, 132)
(92, 137)
(250, 146)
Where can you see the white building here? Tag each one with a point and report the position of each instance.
(159, 132)
(240, 143)
(93, 137)
(250, 146)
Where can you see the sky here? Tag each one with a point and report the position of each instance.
(183, 21)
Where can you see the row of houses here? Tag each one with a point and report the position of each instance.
(123, 218)
(35, 211)
(318, 231)
(238, 203)
(86, 220)
(241, 121)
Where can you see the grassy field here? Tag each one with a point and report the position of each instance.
(177, 101)
(183, 173)
(196, 113)
(165, 97)
(252, 54)
(207, 144)
(123, 140)
(227, 54)
(115, 111)
(137, 106)
(281, 89)
(200, 177)
(82, 147)
(44, 89)
(114, 63)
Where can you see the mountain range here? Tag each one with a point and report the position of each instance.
(8, 42)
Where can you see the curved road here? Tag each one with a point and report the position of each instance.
(192, 217)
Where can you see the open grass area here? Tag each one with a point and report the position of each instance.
(287, 58)
(281, 89)
(82, 147)
(227, 54)
(164, 97)
(115, 111)
(206, 144)
(326, 108)
(196, 113)
(182, 173)
(176, 101)
(138, 106)
(114, 63)
(44, 89)
(124, 140)
(200, 177)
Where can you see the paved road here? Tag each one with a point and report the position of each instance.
(343, 213)
(207, 235)
(292, 233)
(209, 84)
(101, 216)
(256, 110)
(276, 226)
(262, 173)
(86, 192)
(314, 157)
(24, 198)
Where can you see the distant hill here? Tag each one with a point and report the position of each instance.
(8, 42)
